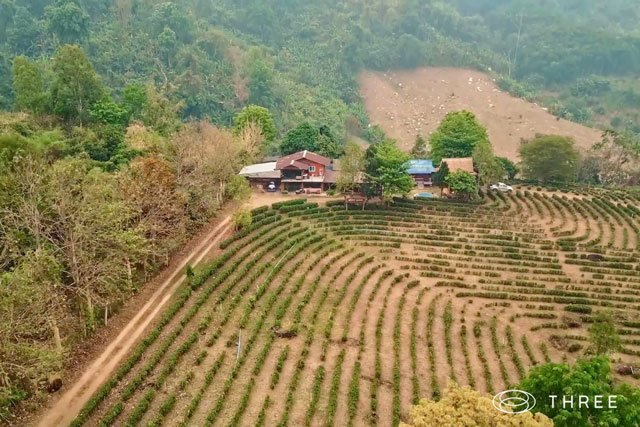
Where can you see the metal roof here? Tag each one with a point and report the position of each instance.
(307, 155)
(421, 167)
(260, 170)
(458, 164)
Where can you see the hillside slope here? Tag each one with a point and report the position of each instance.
(407, 103)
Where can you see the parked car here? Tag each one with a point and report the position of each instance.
(501, 186)
(271, 188)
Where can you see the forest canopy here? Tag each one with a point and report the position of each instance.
(300, 59)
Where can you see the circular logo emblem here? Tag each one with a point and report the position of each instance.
(514, 401)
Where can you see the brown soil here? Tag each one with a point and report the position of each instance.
(364, 317)
(408, 103)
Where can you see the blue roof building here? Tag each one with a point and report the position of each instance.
(421, 167)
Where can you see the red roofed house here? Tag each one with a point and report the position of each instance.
(304, 170)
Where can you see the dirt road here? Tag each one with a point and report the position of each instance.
(70, 404)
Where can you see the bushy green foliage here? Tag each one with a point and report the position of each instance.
(549, 158)
(457, 136)
(511, 169)
(489, 167)
(239, 189)
(28, 86)
(420, 150)
(462, 184)
(303, 137)
(258, 115)
(241, 219)
(603, 334)
(589, 377)
(76, 87)
(388, 169)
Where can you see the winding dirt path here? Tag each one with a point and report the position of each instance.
(70, 404)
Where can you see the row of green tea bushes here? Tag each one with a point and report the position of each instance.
(300, 364)
(298, 207)
(486, 370)
(603, 264)
(276, 206)
(514, 353)
(439, 202)
(250, 229)
(354, 386)
(238, 414)
(447, 318)
(259, 211)
(396, 371)
(243, 274)
(196, 282)
(309, 213)
(611, 271)
(431, 315)
(208, 379)
(377, 378)
(497, 349)
(465, 350)
(413, 345)
(529, 351)
(263, 215)
(250, 279)
(354, 301)
(338, 301)
(455, 284)
(256, 330)
(135, 384)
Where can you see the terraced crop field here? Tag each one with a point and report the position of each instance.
(347, 317)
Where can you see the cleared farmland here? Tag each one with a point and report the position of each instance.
(347, 317)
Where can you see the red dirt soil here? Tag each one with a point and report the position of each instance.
(407, 103)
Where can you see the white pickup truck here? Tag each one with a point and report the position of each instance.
(501, 186)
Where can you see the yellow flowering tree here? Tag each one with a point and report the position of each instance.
(464, 407)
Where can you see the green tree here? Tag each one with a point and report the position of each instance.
(390, 173)
(420, 150)
(23, 35)
(76, 86)
(238, 189)
(489, 168)
(327, 144)
(27, 86)
(352, 165)
(160, 113)
(258, 115)
(261, 76)
(68, 21)
(134, 100)
(549, 158)
(374, 134)
(440, 177)
(457, 136)
(108, 112)
(510, 167)
(462, 184)
(603, 334)
(303, 137)
(589, 377)
(241, 218)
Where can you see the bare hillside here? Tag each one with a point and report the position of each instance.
(405, 103)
